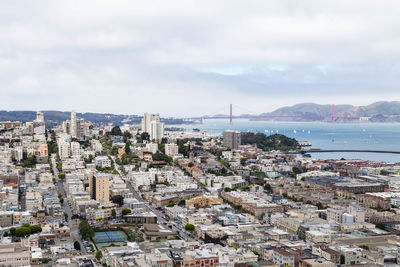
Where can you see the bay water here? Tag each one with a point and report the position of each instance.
(322, 135)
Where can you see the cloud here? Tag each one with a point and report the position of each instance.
(184, 58)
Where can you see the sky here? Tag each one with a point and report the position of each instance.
(187, 58)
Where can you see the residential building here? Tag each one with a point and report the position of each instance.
(156, 130)
(231, 139)
(15, 254)
(74, 130)
(102, 162)
(99, 187)
(171, 149)
(147, 119)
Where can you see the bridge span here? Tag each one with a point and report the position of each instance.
(344, 150)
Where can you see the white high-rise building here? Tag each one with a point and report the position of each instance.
(74, 126)
(147, 120)
(156, 130)
(76, 151)
(39, 116)
(64, 149)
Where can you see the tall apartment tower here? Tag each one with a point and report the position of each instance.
(231, 139)
(156, 130)
(39, 116)
(99, 187)
(147, 120)
(74, 126)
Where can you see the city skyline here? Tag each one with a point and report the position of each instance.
(184, 57)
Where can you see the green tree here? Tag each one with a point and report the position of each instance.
(342, 259)
(189, 227)
(128, 147)
(12, 231)
(113, 213)
(35, 228)
(267, 187)
(182, 202)
(29, 162)
(171, 204)
(127, 135)
(99, 255)
(61, 175)
(23, 231)
(118, 199)
(126, 211)
(380, 225)
(85, 230)
(52, 147)
(116, 131)
(145, 136)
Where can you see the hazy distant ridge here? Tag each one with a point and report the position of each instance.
(378, 111)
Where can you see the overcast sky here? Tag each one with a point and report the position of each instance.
(184, 58)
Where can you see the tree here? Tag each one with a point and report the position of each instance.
(182, 202)
(29, 162)
(85, 230)
(116, 131)
(118, 199)
(267, 187)
(380, 225)
(189, 227)
(99, 255)
(22, 231)
(127, 135)
(342, 259)
(128, 147)
(171, 204)
(35, 229)
(61, 175)
(145, 136)
(113, 213)
(77, 246)
(12, 231)
(126, 211)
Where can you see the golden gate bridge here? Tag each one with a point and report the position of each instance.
(301, 117)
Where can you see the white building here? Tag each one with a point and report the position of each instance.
(156, 130)
(152, 147)
(103, 162)
(64, 149)
(147, 119)
(76, 151)
(171, 149)
(74, 130)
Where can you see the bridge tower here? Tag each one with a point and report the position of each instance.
(230, 114)
(333, 113)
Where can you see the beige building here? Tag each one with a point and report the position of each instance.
(99, 187)
(171, 149)
(203, 201)
(15, 254)
(43, 149)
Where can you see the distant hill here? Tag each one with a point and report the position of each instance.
(376, 112)
(53, 117)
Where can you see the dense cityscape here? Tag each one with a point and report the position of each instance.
(85, 194)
